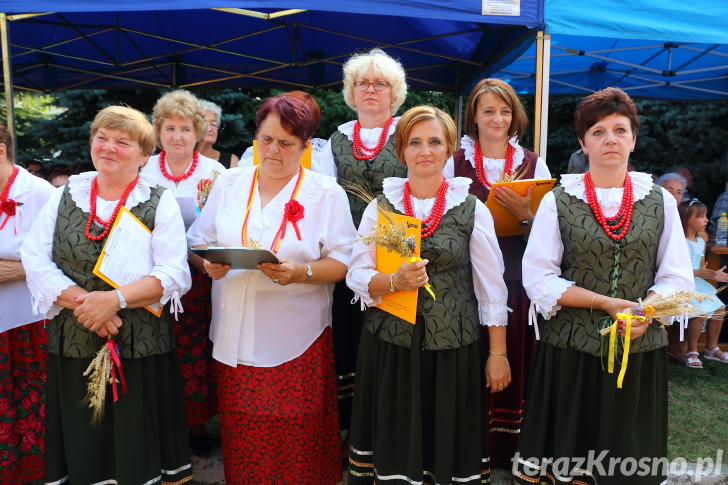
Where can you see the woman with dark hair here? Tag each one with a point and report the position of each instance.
(23, 336)
(600, 242)
(271, 327)
(418, 414)
(489, 150)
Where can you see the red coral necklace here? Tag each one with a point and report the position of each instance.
(93, 217)
(178, 178)
(507, 168)
(8, 205)
(293, 211)
(368, 153)
(623, 216)
(430, 224)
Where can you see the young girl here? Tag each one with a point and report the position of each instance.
(693, 215)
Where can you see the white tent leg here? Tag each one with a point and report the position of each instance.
(543, 67)
(460, 118)
(8, 78)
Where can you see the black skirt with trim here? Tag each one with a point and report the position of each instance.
(419, 416)
(575, 411)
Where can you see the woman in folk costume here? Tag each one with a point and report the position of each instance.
(489, 151)
(142, 436)
(600, 242)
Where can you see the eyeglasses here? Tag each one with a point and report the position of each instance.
(378, 85)
(213, 124)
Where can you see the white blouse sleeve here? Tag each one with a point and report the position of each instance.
(362, 266)
(485, 257)
(338, 227)
(169, 250)
(542, 260)
(326, 164)
(542, 170)
(45, 280)
(674, 271)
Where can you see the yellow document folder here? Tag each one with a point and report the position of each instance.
(145, 252)
(402, 303)
(505, 223)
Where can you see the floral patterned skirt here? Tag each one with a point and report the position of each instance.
(194, 350)
(22, 402)
(279, 424)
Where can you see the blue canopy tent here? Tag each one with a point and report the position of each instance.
(667, 49)
(88, 44)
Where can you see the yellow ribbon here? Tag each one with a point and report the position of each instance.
(413, 259)
(627, 317)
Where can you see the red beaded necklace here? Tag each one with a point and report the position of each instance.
(106, 224)
(359, 147)
(623, 216)
(507, 168)
(178, 178)
(430, 224)
(7, 205)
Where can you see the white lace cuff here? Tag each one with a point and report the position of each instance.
(358, 281)
(44, 298)
(493, 315)
(547, 304)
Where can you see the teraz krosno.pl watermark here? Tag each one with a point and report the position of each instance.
(600, 463)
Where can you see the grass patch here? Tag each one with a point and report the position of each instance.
(697, 405)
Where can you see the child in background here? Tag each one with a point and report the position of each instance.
(693, 215)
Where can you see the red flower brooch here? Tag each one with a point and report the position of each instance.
(294, 212)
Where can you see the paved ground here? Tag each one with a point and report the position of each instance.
(210, 471)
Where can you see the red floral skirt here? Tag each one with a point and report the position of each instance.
(194, 350)
(22, 402)
(280, 424)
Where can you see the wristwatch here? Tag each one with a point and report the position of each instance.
(309, 272)
(526, 222)
(122, 300)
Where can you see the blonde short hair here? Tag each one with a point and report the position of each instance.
(387, 67)
(132, 122)
(519, 119)
(180, 104)
(423, 113)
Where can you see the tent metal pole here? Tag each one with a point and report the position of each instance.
(460, 117)
(8, 79)
(543, 66)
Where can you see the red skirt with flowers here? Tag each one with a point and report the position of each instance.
(194, 349)
(22, 402)
(280, 424)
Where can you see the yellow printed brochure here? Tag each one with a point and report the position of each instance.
(127, 254)
(402, 303)
(505, 222)
(305, 159)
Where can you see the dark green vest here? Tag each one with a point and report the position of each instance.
(588, 260)
(367, 173)
(141, 333)
(451, 321)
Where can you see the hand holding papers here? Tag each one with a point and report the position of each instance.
(505, 223)
(127, 255)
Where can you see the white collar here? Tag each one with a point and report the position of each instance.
(573, 184)
(366, 133)
(457, 191)
(79, 186)
(468, 146)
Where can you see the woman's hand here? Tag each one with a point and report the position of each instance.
(618, 305)
(216, 271)
(497, 372)
(96, 308)
(285, 272)
(410, 276)
(518, 205)
(613, 305)
(109, 328)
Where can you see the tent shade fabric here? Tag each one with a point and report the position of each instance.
(701, 21)
(97, 45)
(643, 68)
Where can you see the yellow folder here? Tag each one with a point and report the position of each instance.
(402, 303)
(505, 223)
